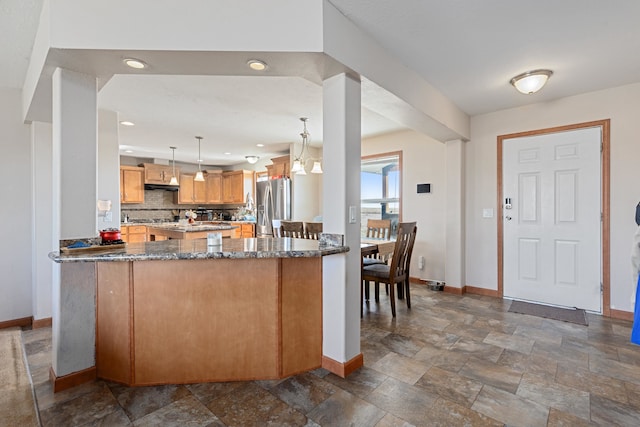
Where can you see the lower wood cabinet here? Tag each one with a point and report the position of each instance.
(244, 231)
(133, 233)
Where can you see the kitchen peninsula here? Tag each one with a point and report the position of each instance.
(188, 231)
(178, 311)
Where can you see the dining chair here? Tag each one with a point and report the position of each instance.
(312, 230)
(379, 229)
(292, 229)
(276, 224)
(396, 273)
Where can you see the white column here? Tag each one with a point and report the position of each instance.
(74, 173)
(341, 193)
(454, 255)
(44, 271)
(75, 130)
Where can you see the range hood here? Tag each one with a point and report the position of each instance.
(165, 187)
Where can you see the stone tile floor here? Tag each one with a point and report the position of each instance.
(449, 361)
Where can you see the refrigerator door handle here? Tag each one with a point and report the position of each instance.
(268, 208)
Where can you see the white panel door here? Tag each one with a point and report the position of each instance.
(551, 237)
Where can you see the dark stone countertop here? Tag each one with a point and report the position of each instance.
(197, 249)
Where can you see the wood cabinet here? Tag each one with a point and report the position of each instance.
(280, 167)
(259, 318)
(158, 174)
(244, 230)
(191, 191)
(235, 186)
(131, 184)
(217, 188)
(133, 233)
(213, 187)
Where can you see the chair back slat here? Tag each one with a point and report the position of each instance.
(292, 229)
(379, 229)
(312, 230)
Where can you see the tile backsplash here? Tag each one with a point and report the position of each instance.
(160, 205)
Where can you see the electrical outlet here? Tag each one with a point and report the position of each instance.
(421, 262)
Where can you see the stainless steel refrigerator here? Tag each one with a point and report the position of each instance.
(273, 201)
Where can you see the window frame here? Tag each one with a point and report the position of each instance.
(370, 157)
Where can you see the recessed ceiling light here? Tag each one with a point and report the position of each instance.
(227, 153)
(257, 65)
(259, 145)
(127, 123)
(128, 151)
(135, 63)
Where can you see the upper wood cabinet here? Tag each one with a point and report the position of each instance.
(191, 191)
(158, 174)
(235, 186)
(213, 187)
(131, 184)
(217, 188)
(280, 167)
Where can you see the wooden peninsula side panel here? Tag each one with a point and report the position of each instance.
(186, 321)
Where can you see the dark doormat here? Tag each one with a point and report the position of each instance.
(576, 315)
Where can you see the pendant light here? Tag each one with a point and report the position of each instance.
(300, 161)
(174, 180)
(317, 167)
(199, 175)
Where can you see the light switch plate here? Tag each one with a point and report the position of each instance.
(108, 216)
(487, 213)
(352, 214)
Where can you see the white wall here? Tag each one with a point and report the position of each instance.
(16, 213)
(108, 167)
(306, 197)
(423, 162)
(622, 106)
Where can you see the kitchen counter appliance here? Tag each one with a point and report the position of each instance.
(273, 201)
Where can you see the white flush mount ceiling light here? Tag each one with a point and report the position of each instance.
(174, 180)
(531, 81)
(199, 174)
(134, 63)
(257, 65)
(127, 123)
(252, 159)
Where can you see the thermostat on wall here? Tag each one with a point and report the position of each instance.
(424, 188)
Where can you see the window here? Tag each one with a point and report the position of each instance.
(381, 188)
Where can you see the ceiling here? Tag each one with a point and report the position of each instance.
(469, 50)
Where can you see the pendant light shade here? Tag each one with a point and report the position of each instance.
(199, 174)
(317, 167)
(174, 179)
(531, 81)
